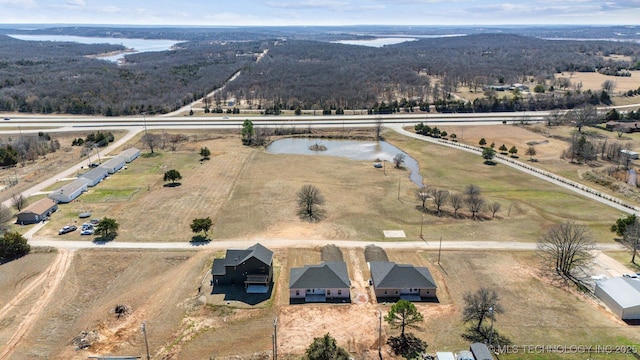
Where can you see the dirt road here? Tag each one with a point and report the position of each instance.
(45, 284)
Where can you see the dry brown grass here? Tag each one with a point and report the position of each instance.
(593, 81)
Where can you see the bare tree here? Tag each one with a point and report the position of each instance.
(555, 117)
(472, 190)
(567, 247)
(18, 201)
(457, 201)
(379, 124)
(494, 207)
(584, 116)
(309, 201)
(631, 239)
(151, 140)
(475, 203)
(423, 194)
(398, 160)
(531, 152)
(5, 216)
(481, 305)
(608, 85)
(440, 198)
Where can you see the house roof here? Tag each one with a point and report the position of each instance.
(39, 207)
(70, 188)
(236, 257)
(114, 161)
(95, 173)
(322, 276)
(623, 290)
(389, 275)
(130, 152)
(481, 351)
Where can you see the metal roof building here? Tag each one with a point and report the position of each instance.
(621, 295)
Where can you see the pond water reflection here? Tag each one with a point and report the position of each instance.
(351, 149)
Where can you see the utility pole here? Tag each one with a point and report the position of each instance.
(380, 334)
(275, 339)
(144, 119)
(143, 327)
(439, 250)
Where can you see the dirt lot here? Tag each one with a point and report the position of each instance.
(161, 288)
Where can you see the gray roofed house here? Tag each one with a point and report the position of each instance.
(391, 280)
(621, 295)
(94, 176)
(328, 281)
(251, 267)
(114, 164)
(130, 154)
(481, 351)
(69, 192)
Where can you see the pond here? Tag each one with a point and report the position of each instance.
(351, 149)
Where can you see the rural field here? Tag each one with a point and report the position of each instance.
(161, 288)
(250, 195)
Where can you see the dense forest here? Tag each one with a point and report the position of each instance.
(302, 69)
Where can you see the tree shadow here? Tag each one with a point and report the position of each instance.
(172, 185)
(198, 240)
(103, 240)
(482, 336)
(490, 162)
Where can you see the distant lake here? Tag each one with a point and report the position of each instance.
(351, 149)
(133, 45)
(392, 40)
(380, 42)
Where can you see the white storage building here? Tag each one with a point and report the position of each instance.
(130, 154)
(94, 176)
(69, 191)
(114, 164)
(621, 295)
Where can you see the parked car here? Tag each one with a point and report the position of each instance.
(87, 231)
(632, 276)
(7, 119)
(67, 229)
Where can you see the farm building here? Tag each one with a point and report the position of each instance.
(69, 192)
(130, 154)
(465, 355)
(114, 164)
(443, 355)
(391, 280)
(320, 283)
(37, 211)
(94, 176)
(481, 351)
(621, 295)
(252, 267)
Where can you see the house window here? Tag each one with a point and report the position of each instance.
(297, 292)
(427, 292)
(339, 292)
(328, 292)
(308, 290)
(385, 292)
(396, 292)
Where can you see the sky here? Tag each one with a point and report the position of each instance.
(320, 12)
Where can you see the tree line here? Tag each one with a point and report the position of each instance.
(47, 77)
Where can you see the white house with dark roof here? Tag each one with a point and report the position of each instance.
(326, 282)
(621, 295)
(251, 267)
(69, 192)
(391, 280)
